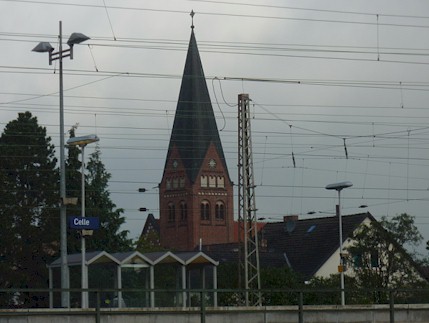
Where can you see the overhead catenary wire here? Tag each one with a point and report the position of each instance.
(108, 18)
(225, 14)
(326, 150)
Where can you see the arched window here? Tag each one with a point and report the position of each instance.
(171, 212)
(205, 210)
(204, 181)
(212, 181)
(220, 211)
(181, 182)
(183, 211)
(175, 183)
(220, 181)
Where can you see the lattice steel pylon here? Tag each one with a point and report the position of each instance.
(248, 233)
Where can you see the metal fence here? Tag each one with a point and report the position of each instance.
(200, 300)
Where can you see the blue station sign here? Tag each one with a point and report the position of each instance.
(84, 223)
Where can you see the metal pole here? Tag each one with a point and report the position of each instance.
(391, 307)
(203, 307)
(83, 246)
(97, 309)
(65, 296)
(343, 297)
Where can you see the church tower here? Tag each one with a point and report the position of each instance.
(196, 192)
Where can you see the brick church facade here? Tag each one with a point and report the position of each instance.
(196, 191)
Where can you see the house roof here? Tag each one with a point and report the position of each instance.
(307, 244)
(194, 127)
(303, 245)
(229, 252)
(151, 223)
(259, 227)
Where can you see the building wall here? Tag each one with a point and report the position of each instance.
(212, 188)
(330, 267)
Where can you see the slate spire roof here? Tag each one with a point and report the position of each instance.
(194, 125)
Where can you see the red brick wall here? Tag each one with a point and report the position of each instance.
(185, 235)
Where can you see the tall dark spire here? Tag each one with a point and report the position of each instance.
(194, 126)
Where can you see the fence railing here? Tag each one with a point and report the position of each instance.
(201, 299)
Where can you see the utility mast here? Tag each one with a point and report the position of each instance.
(247, 221)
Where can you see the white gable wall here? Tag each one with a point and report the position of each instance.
(331, 265)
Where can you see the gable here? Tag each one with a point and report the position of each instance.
(311, 242)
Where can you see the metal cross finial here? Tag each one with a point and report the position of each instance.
(192, 16)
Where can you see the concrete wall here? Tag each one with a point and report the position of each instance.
(281, 314)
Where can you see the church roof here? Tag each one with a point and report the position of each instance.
(194, 126)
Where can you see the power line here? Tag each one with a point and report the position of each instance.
(309, 9)
(229, 14)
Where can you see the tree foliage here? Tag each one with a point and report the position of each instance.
(110, 237)
(98, 203)
(378, 257)
(29, 204)
(73, 189)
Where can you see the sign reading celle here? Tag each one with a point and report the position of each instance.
(84, 223)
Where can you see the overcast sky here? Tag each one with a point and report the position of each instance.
(340, 85)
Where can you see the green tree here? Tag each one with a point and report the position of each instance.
(98, 203)
(110, 237)
(73, 188)
(284, 279)
(378, 257)
(28, 207)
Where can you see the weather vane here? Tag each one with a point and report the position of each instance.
(192, 16)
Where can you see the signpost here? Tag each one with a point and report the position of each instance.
(84, 223)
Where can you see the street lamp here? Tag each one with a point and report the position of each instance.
(338, 187)
(44, 47)
(82, 142)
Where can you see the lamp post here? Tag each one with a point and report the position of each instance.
(43, 47)
(82, 142)
(339, 187)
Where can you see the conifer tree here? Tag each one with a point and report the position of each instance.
(29, 206)
(110, 237)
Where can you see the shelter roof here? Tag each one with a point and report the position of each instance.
(135, 257)
(196, 257)
(131, 257)
(93, 257)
